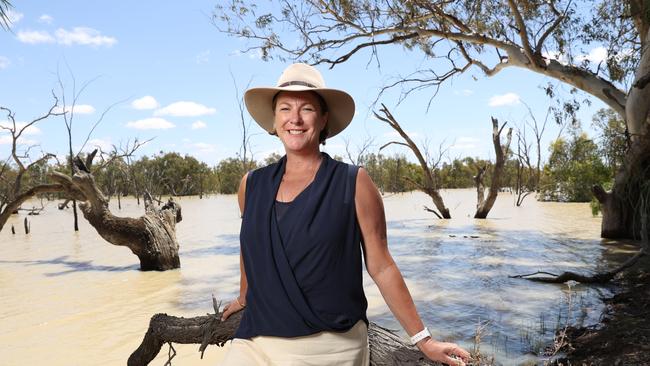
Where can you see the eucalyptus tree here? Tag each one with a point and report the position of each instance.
(547, 37)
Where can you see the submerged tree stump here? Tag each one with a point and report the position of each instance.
(386, 347)
(151, 237)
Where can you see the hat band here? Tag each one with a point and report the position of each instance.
(301, 83)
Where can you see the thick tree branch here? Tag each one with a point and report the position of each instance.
(523, 33)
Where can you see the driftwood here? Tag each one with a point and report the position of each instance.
(484, 206)
(386, 347)
(603, 277)
(151, 237)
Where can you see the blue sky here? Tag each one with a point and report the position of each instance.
(170, 69)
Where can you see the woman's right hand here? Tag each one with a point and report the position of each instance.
(234, 306)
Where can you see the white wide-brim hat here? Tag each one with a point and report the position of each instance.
(301, 77)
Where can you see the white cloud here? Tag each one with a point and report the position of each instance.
(34, 37)
(4, 62)
(14, 16)
(83, 36)
(78, 109)
(146, 102)
(464, 92)
(204, 147)
(31, 130)
(185, 109)
(255, 54)
(596, 55)
(465, 143)
(46, 19)
(104, 145)
(504, 100)
(150, 124)
(7, 140)
(77, 36)
(203, 57)
(198, 125)
(252, 54)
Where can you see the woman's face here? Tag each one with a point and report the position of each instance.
(298, 120)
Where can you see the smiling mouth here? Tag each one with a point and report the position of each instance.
(296, 132)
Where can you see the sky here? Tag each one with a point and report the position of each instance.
(161, 70)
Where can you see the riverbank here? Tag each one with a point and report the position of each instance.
(623, 337)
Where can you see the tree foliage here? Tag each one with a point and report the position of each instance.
(553, 38)
(574, 166)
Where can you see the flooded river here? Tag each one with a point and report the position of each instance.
(73, 299)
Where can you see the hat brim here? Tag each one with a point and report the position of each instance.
(340, 106)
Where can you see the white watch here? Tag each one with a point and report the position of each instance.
(424, 333)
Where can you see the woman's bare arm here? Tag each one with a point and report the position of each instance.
(384, 271)
(240, 302)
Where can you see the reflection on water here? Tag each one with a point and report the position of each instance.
(71, 297)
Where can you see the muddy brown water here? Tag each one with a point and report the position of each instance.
(73, 299)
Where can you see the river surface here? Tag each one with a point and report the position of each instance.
(73, 299)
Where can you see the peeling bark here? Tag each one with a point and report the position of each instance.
(483, 207)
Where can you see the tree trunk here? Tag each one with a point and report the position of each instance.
(480, 187)
(622, 208)
(151, 237)
(386, 348)
(484, 206)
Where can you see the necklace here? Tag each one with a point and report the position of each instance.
(282, 191)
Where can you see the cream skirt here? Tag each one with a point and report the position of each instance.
(321, 349)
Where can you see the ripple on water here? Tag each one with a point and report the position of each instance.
(89, 295)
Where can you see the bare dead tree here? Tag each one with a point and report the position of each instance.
(524, 184)
(428, 186)
(68, 117)
(544, 37)
(386, 347)
(245, 147)
(121, 157)
(483, 207)
(357, 154)
(478, 181)
(15, 194)
(151, 237)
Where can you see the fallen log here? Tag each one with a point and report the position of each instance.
(386, 347)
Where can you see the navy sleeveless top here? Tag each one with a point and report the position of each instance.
(304, 271)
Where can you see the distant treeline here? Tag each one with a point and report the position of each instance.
(575, 164)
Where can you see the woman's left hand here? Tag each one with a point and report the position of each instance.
(442, 352)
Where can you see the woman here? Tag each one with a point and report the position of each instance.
(303, 220)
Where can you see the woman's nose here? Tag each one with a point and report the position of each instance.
(294, 117)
